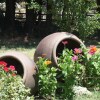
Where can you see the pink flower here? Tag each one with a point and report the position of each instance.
(77, 51)
(6, 69)
(12, 67)
(74, 58)
(2, 63)
(64, 42)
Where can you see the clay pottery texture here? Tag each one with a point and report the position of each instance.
(51, 46)
(25, 67)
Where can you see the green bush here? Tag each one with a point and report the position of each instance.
(76, 16)
(11, 85)
(70, 70)
(91, 78)
(47, 79)
(80, 67)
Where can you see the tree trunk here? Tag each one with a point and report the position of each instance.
(40, 11)
(10, 15)
(30, 20)
(49, 14)
(98, 3)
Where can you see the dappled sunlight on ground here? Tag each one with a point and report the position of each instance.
(19, 44)
(28, 45)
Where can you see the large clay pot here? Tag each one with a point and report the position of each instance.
(52, 45)
(25, 67)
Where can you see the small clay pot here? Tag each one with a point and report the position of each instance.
(51, 46)
(24, 66)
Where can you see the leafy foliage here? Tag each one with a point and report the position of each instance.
(92, 68)
(80, 67)
(47, 79)
(11, 85)
(76, 16)
(32, 4)
(70, 70)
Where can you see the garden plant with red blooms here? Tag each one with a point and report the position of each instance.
(12, 67)
(7, 69)
(11, 84)
(2, 63)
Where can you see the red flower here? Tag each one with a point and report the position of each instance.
(77, 51)
(6, 69)
(64, 42)
(2, 63)
(12, 67)
(92, 50)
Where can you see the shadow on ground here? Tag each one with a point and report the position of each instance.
(31, 42)
(19, 42)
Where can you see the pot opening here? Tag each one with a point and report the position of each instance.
(16, 63)
(71, 44)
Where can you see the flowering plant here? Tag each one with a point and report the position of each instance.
(11, 85)
(47, 79)
(69, 71)
(91, 63)
(80, 66)
(6, 71)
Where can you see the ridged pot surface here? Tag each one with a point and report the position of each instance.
(25, 67)
(52, 45)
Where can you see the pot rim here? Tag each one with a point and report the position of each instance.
(72, 37)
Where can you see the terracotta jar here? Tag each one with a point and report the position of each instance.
(25, 67)
(51, 46)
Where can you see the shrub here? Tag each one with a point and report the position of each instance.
(47, 79)
(76, 16)
(91, 59)
(70, 72)
(80, 67)
(11, 85)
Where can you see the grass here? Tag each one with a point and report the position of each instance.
(18, 44)
(28, 48)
